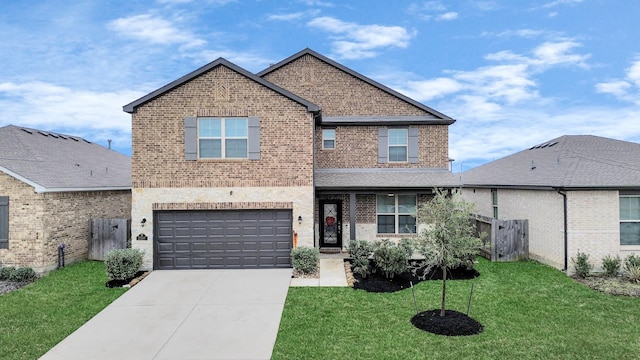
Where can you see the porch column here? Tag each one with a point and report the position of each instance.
(352, 216)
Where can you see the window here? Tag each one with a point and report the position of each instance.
(328, 139)
(630, 220)
(396, 214)
(398, 145)
(220, 138)
(494, 202)
(4, 222)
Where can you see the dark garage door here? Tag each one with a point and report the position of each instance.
(215, 239)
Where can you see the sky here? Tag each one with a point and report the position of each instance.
(513, 74)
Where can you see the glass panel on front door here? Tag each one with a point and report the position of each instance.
(330, 223)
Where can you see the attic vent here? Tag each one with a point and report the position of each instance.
(88, 142)
(27, 131)
(43, 133)
(62, 137)
(54, 135)
(544, 145)
(72, 138)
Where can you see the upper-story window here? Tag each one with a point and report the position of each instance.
(222, 138)
(328, 139)
(398, 145)
(630, 220)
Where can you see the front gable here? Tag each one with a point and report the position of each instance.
(166, 150)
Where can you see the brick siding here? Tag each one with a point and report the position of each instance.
(38, 223)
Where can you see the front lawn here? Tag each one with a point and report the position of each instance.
(529, 311)
(38, 316)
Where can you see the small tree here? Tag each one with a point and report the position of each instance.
(448, 240)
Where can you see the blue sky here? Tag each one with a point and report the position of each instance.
(512, 73)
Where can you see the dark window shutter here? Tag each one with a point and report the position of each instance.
(4, 222)
(383, 145)
(190, 138)
(413, 145)
(253, 147)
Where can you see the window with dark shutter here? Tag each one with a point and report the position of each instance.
(222, 138)
(4, 222)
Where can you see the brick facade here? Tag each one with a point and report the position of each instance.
(38, 223)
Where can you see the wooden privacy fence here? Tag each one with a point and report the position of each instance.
(108, 234)
(504, 240)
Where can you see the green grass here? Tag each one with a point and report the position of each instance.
(528, 310)
(35, 318)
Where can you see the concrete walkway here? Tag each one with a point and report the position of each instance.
(186, 314)
(331, 272)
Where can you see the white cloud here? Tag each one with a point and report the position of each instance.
(447, 16)
(627, 89)
(147, 27)
(428, 90)
(293, 16)
(561, 2)
(355, 41)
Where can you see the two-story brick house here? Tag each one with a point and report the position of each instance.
(230, 166)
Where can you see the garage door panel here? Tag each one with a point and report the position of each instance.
(222, 239)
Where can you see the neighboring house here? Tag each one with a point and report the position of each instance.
(579, 193)
(230, 166)
(51, 186)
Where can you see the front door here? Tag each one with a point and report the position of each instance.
(331, 223)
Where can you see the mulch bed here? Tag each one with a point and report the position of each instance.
(453, 323)
(129, 282)
(377, 282)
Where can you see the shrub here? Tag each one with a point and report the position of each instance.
(408, 245)
(581, 265)
(5, 272)
(23, 274)
(632, 268)
(390, 258)
(305, 259)
(123, 264)
(611, 265)
(360, 251)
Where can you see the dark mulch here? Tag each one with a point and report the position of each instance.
(121, 283)
(377, 282)
(453, 323)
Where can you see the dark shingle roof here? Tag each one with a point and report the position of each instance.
(570, 161)
(131, 107)
(384, 178)
(51, 161)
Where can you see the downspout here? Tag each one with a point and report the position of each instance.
(566, 235)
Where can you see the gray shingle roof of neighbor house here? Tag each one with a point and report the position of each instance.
(435, 118)
(570, 161)
(412, 178)
(53, 162)
(131, 107)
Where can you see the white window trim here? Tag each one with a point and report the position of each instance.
(396, 214)
(627, 221)
(494, 202)
(406, 146)
(222, 138)
(334, 140)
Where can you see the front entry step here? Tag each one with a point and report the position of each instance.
(330, 250)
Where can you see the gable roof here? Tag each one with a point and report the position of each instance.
(437, 115)
(52, 162)
(131, 107)
(570, 161)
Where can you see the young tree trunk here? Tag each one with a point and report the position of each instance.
(444, 290)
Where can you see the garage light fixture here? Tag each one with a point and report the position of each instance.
(144, 220)
(299, 219)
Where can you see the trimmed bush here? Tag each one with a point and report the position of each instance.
(408, 245)
(390, 258)
(632, 268)
(5, 272)
(123, 264)
(611, 265)
(360, 251)
(23, 274)
(581, 265)
(305, 259)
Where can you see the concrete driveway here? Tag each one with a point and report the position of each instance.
(186, 314)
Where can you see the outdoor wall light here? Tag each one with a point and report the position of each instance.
(144, 220)
(391, 195)
(299, 219)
